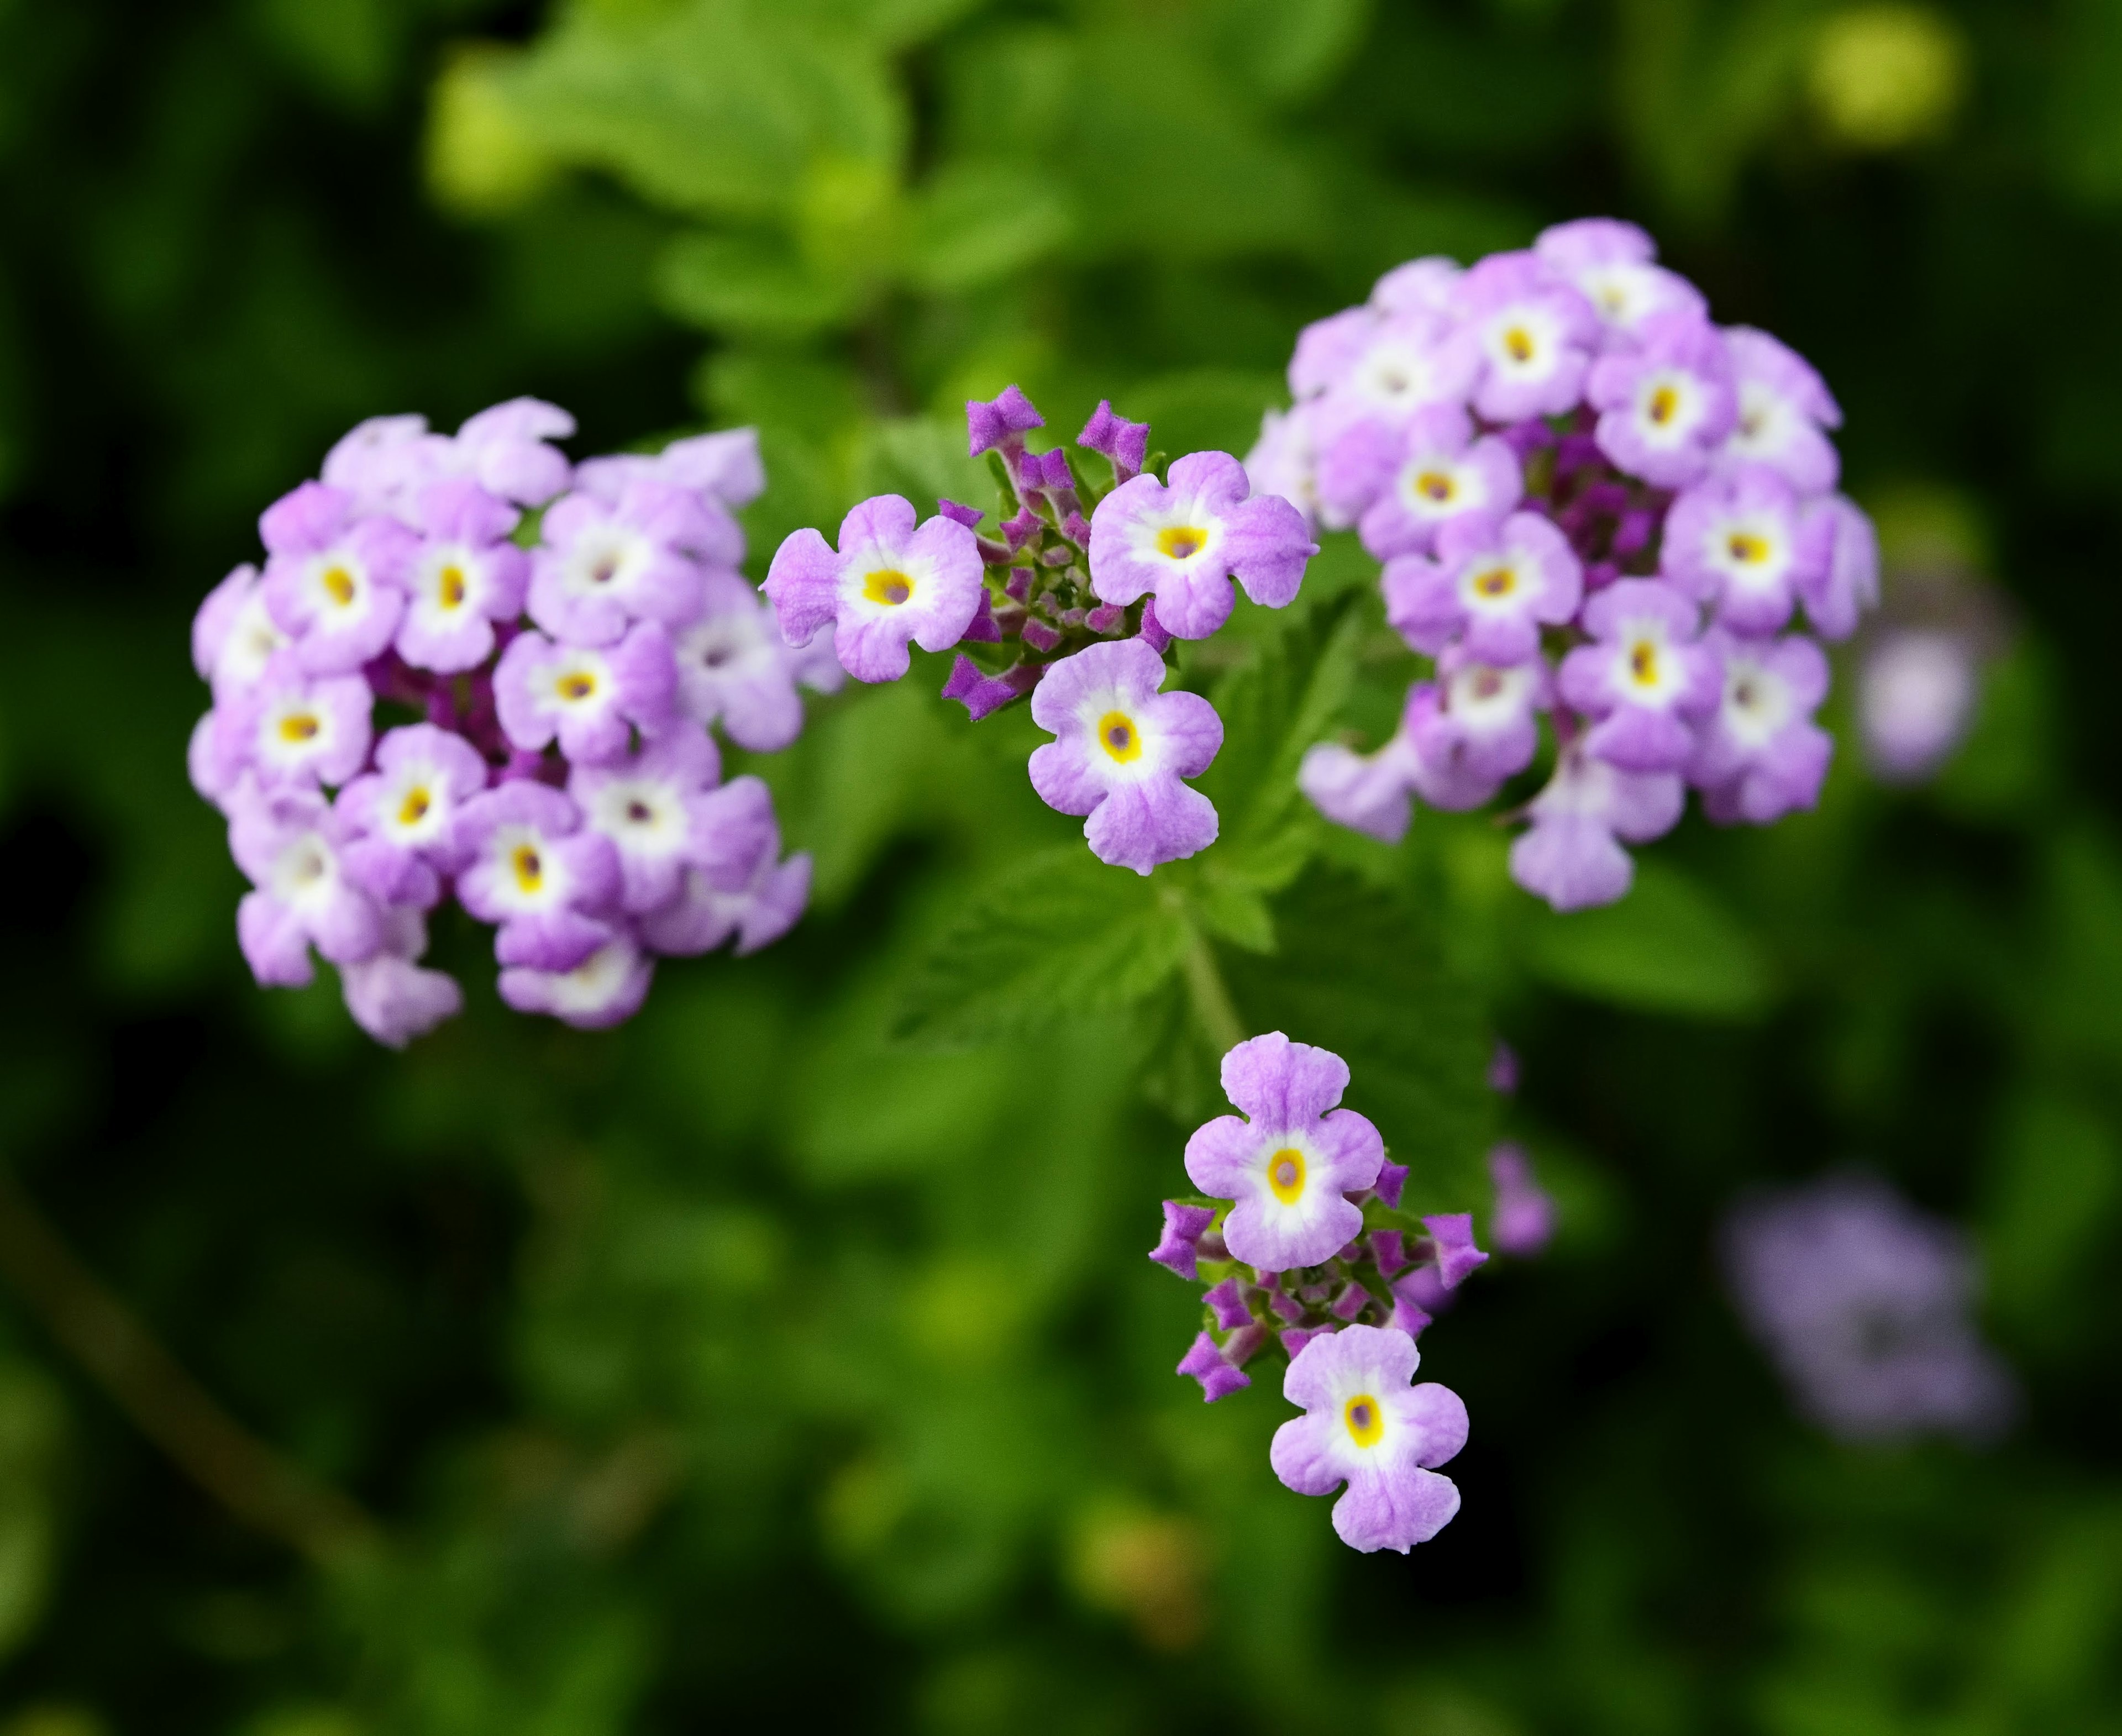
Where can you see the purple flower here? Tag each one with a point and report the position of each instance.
(1003, 422)
(385, 461)
(1123, 747)
(1570, 855)
(332, 580)
(1863, 1304)
(388, 995)
(1645, 679)
(1370, 793)
(1846, 582)
(1327, 349)
(738, 885)
(1126, 443)
(1523, 1221)
(406, 812)
(1915, 700)
(653, 806)
(1436, 474)
(532, 868)
(735, 669)
(1667, 403)
(1290, 1166)
(1761, 755)
(504, 451)
(1474, 727)
(465, 576)
(606, 989)
(1785, 409)
(1490, 589)
(292, 844)
(600, 566)
(1283, 462)
(1408, 362)
(723, 466)
(1187, 542)
(1530, 334)
(1420, 286)
(1366, 1425)
(234, 635)
(288, 731)
(585, 697)
(1209, 1365)
(1451, 1247)
(1737, 542)
(1611, 264)
(889, 583)
(1179, 1246)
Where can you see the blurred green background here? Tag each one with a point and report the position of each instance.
(760, 1360)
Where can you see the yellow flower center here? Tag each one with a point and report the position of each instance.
(1643, 663)
(888, 587)
(299, 726)
(579, 684)
(340, 583)
(1285, 1174)
(452, 583)
(1744, 546)
(529, 871)
(415, 808)
(1435, 485)
(1118, 737)
(1664, 404)
(1496, 582)
(1179, 541)
(1366, 1421)
(1518, 343)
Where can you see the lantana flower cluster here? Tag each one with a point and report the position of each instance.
(1592, 502)
(1070, 594)
(469, 667)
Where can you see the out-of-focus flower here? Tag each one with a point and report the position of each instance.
(1522, 1223)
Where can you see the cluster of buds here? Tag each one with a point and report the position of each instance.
(387, 729)
(1589, 502)
(1071, 596)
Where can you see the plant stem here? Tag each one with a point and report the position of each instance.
(1211, 997)
(248, 1477)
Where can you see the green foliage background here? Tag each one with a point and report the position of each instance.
(790, 1354)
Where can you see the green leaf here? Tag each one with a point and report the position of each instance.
(1668, 947)
(749, 283)
(1058, 935)
(975, 223)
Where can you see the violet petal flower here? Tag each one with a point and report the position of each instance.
(1916, 698)
(1522, 1222)
(1180, 1247)
(292, 844)
(1491, 587)
(388, 993)
(1186, 543)
(385, 461)
(1327, 349)
(600, 566)
(739, 886)
(1206, 1364)
(1737, 542)
(606, 989)
(1283, 462)
(1226, 1302)
(1532, 334)
(234, 635)
(406, 812)
(1409, 362)
(1571, 855)
(465, 576)
(651, 804)
(584, 695)
(1784, 408)
(504, 449)
(1667, 403)
(1439, 475)
(1612, 265)
(1846, 583)
(1122, 749)
(290, 730)
(1126, 443)
(333, 580)
(1366, 1425)
(1370, 793)
(1761, 756)
(1474, 727)
(724, 466)
(736, 669)
(1420, 286)
(1644, 678)
(1289, 1166)
(1003, 422)
(1451, 1240)
(888, 583)
(532, 867)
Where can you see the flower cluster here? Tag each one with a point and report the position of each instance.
(1073, 596)
(1589, 502)
(387, 727)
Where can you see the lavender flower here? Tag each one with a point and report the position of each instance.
(1126, 443)
(1122, 749)
(1407, 363)
(1491, 588)
(465, 576)
(1370, 793)
(601, 567)
(1571, 855)
(332, 578)
(1474, 727)
(1666, 403)
(1611, 265)
(1915, 700)
(1523, 1223)
(606, 989)
(1367, 1426)
(292, 844)
(1784, 408)
(388, 460)
(1283, 462)
(1761, 756)
(532, 867)
(288, 731)
(1290, 1165)
(736, 669)
(584, 697)
(1846, 582)
(1738, 544)
(388, 993)
(1001, 423)
(234, 635)
(737, 884)
(1436, 474)
(1179, 1248)
(406, 811)
(723, 467)
(1644, 678)
(1208, 1365)
(1532, 334)
(889, 584)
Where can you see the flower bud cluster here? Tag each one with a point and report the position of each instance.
(388, 730)
(1589, 502)
(1070, 592)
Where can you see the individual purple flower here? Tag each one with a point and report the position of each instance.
(465, 576)
(1522, 1222)
(606, 989)
(1666, 403)
(1180, 1247)
(599, 567)
(1126, 443)
(388, 993)
(292, 844)
(1282, 461)
(585, 697)
(1420, 286)
(290, 731)
(332, 580)
(1370, 793)
(653, 806)
(1207, 1364)
(1863, 1303)
(1738, 544)
(736, 669)
(1916, 695)
(385, 461)
(1612, 265)
(504, 450)
(738, 885)
(406, 811)
(234, 635)
(1186, 543)
(1530, 334)
(1290, 1165)
(1122, 749)
(532, 868)
(1452, 1251)
(1846, 583)
(1491, 588)
(1409, 364)
(1761, 756)
(1327, 349)
(1645, 679)
(1439, 475)
(1784, 412)
(1367, 1426)
(889, 583)
(724, 466)
(1571, 855)
(1474, 727)
(1001, 421)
